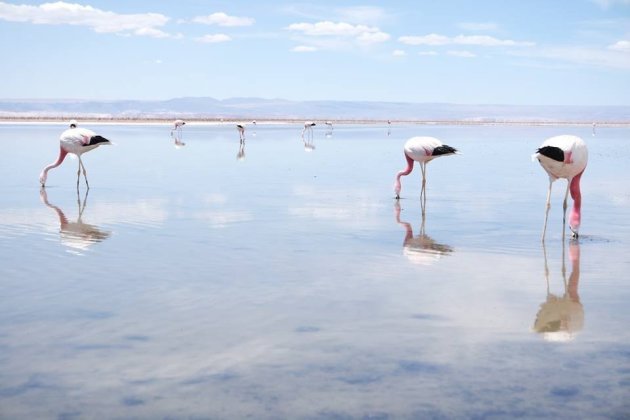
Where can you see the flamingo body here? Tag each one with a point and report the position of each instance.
(564, 157)
(422, 150)
(76, 141)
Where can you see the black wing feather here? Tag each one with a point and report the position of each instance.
(443, 150)
(96, 140)
(552, 152)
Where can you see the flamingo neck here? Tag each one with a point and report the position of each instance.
(60, 158)
(576, 211)
(404, 172)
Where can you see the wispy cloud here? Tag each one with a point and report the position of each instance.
(620, 46)
(366, 15)
(214, 38)
(339, 33)
(223, 19)
(399, 53)
(606, 4)
(478, 26)
(464, 54)
(577, 55)
(427, 53)
(477, 40)
(304, 48)
(61, 13)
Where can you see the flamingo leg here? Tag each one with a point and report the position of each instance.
(423, 167)
(84, 173)
(423, 204)
(79, 174)
(547, 209)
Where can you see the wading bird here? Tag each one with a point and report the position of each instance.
(564, 157)
(308, 128)
(422, 150)
(177, 127)
(241, 131)
(75, 141)
(176, 132)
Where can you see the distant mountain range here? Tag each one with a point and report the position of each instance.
(257, 108)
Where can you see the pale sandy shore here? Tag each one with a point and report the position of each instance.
(290, 121)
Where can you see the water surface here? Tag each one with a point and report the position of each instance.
(280, 279)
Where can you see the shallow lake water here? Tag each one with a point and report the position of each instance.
(282, 280)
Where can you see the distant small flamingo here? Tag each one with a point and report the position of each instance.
(177, 126)
(329, 124)
(176, 132)
(73, 123)
(241, 131)
(564, 157)
(422, 150)
(308, 128)
(75, 141)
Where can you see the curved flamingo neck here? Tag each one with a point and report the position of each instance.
(404, 172)
(60, 158)
(576, 195)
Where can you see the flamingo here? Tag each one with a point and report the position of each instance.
(241, 131)
(177, 129)
(76, 141)
(308, 128)
(73, 123)
(565, 157)
(423, 150)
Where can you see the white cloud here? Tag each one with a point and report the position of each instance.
(373, 37)
(427, 53)
(223, 19)
(61, 13)
(478, 26)
(479, 40)
(399, 53)
(304, 48)
(465, 54)
(361, 33)
(623, 46)
(214, 38)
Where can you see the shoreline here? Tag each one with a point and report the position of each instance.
(290, 121)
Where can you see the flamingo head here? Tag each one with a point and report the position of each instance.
(397, 188)
(574, 223)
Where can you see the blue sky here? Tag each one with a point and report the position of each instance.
(536, 52)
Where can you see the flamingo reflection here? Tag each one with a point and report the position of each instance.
(241, 150)
(78, 236)
(560, 318)
(420, 249)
